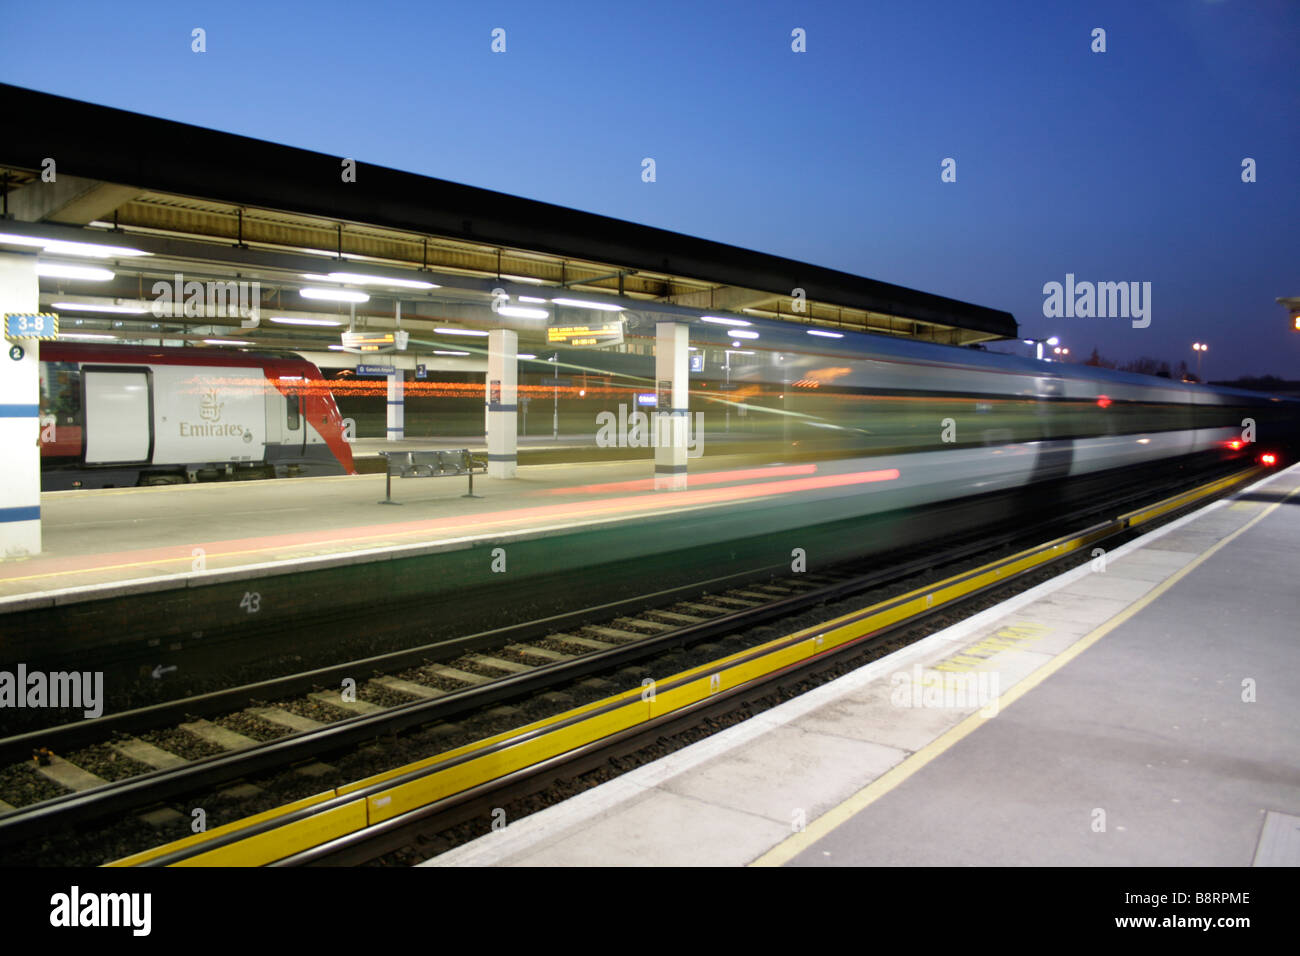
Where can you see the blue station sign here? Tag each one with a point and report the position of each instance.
(31, 325)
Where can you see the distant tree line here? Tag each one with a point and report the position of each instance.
(1145, 365)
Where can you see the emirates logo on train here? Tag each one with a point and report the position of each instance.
(210, 413)
(209, 407)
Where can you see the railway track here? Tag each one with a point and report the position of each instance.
(224, 740)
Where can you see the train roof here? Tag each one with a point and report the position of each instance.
(66, 351)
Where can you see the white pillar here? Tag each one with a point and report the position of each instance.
(396, 407)
(672, 387)
(20, 396)
(502, 407)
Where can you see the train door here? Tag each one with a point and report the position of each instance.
(118, 410)
(295, 430)
(284, 424)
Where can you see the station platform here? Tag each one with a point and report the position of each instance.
(1143, 709)
(109, 541)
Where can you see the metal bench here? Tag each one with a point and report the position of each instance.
(448, 463)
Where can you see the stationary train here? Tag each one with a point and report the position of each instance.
(123, 415)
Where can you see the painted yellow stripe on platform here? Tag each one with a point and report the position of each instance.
(605, 717)
(198, 838)
(795, 844)
(286, 840)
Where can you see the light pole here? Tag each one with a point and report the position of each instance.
(1200, 348)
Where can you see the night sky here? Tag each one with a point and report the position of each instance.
(1122, 166)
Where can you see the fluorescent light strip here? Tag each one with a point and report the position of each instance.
(526, 355)
(474, 332)
(359, 278)
(290, 320)
(741, 334)
(721, 320)
(531, 298)
(825, 335)
(63, 247)
(447, 352)
(225, 342)
(90, 307)
(334, 295)
(516, 312)
(57, 270)
(585, 304)
(85, 336)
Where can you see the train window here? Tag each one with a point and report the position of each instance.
(61, 392)
(293, 411)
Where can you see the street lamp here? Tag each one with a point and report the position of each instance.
(1041, 342)
(1200, 348)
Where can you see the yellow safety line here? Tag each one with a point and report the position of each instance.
(618, 712)
(795, 844)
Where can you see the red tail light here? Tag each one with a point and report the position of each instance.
(1268, 458)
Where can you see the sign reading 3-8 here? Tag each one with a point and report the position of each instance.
(31, 325)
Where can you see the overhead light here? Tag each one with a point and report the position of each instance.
(1053, 341)
(12, 240)
(476, 332)
(92, 307)
(1028, 341)
(825, 335)
(362, 279)
(527, 280)
(447, 352)
(738, 333)
(741, 352)
(225, 342)
(86, 336)
(57, 270)
(334, 295)
(291, 320)
(722, 320)
(516, 312)
(63, 247)
(530, 298)
(526, 355)
(335, 348)
(586, 304)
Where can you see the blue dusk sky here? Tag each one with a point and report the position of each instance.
(1123, 165)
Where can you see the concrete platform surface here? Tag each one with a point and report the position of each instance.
(1143, 709)
(115, 535)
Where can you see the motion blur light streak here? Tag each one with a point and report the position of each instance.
(382, 535)
(712, 477)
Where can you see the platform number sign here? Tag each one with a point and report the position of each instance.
(31, 325)
(697, 362)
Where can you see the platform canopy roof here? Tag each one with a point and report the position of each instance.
(217, 205)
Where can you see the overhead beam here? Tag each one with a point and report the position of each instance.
(68, 199)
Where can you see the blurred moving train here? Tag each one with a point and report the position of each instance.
(875, 394)
(952, 421)
(123, 415)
